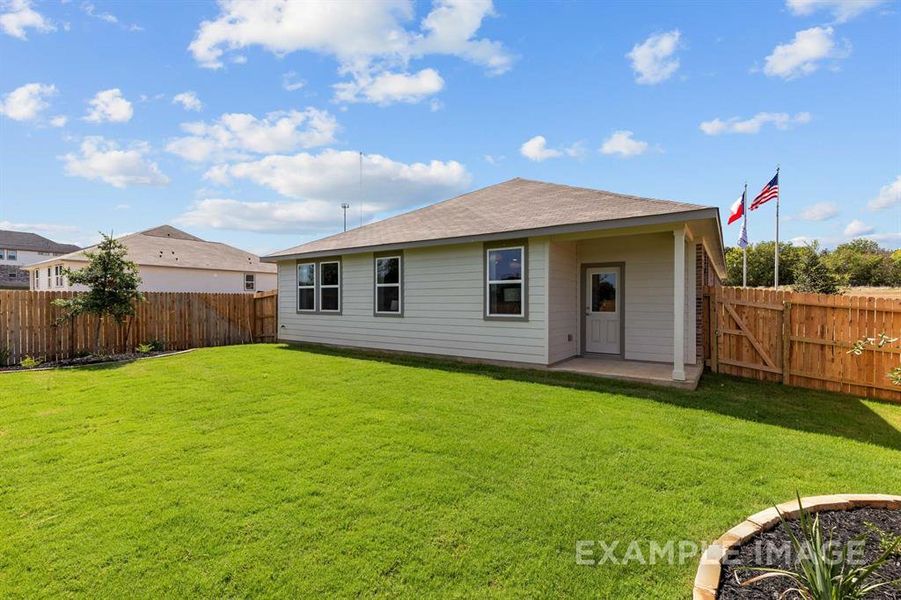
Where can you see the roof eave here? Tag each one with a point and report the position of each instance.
(674, 217)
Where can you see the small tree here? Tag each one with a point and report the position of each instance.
(812, 275)
(112, 281)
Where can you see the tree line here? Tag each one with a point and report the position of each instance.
(810, 268)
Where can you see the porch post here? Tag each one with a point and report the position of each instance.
(679, 304)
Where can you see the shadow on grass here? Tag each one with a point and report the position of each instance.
(769, 403)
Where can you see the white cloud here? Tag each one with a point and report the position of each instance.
(370, 40)
(46, 228)
(857, 228)
(188, 100)
(754, 124)
(803, 54)
(89, 9)
(842, 10)
(291, 83)
(653, 60)
(26, 103)
(103, 159)
(234, 135)
(109, 106)
(622, 143)
(493, 159)
(821, 211)
(18, 16)
(333, 176)
(536, 149)
(889, 195)
(59, 121)
(388, 88)
(287, 217)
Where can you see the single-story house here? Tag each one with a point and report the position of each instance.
(519, 272)
(169, 260)
(21, 248)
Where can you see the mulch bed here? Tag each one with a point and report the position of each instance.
(91, 359)
(844, 525)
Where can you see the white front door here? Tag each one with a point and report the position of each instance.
(603, 309)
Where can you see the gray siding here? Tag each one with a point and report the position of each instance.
(443, 308)
(648, 291)
(563, 301)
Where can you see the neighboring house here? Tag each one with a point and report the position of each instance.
(170, 260)
(522, 271)
(21, 248)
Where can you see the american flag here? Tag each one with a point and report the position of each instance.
(769, 191)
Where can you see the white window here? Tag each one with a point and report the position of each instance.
(388, 282)
(49, 277)
(504, 285)
(58, 275)
(250, 283)
(330, 286)
(12, 254)
(306, 287)
(36, 276)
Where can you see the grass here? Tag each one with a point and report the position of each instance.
(270, 470)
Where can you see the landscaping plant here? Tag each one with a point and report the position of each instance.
(30, 362)
(144, 348)
(822, 572)
(112, 281)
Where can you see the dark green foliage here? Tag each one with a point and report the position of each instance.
(112, 282)
(860, 262)
(812, 275)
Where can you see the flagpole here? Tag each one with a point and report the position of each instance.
(778, 193)
(744, 257)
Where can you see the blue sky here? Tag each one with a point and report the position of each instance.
(242, 122)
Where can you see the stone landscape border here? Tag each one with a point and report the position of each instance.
(707, 580)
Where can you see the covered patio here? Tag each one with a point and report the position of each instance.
(614, 367)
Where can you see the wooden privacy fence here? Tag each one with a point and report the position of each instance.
(178, 321)
(803, 339)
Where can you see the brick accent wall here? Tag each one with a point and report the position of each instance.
(700, 277)
(705, 276)
(13, 278)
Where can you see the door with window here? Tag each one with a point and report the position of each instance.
(603, 310)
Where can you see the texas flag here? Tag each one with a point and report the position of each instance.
(737, 210)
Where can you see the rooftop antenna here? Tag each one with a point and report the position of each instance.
(345, 206)
(361, 188)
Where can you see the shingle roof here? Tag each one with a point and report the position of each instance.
(511, 206)
(23, 240)
(166, 246)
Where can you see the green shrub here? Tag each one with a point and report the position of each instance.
(4, 356)
(144, 348)
(157, 345)
(30, 362)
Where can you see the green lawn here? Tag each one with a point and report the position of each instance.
(268, 470)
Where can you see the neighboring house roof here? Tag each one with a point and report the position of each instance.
(24, 240)
(514, 206)
(166, 246)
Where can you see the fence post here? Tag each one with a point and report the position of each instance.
(786, 341)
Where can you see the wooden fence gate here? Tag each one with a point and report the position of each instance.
(29, 324)
(803, 339)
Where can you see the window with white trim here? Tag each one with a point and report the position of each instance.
(36, 276)
(12, 254)
(58, 275)
(504, 285)
(330, 286)
(49, 277)
(250, 282)
(306, 287)
(388, 282)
